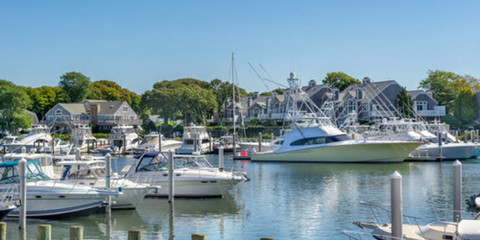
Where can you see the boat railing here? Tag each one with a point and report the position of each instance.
(9, 193)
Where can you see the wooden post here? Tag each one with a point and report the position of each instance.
(44, 232)
(457, 191)
(22, 211)
(76, 233)
(198, 236)
(108, 174)
(396, 204)
(220, 158)
(134, 235)
(3, 231)
(259, 141)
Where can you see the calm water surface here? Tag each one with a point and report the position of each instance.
(283, 201)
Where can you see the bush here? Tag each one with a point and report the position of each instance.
(101, 135)
(451, 120)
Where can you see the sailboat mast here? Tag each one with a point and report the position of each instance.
(233, 91)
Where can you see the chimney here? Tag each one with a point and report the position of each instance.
(366, 80)
(255, 95)
(312, 83)
(267, 102)
(431, 94)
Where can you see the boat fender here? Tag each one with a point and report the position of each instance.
(120, 189)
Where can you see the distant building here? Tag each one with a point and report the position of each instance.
(100, 113)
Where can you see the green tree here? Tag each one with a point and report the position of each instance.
(75, 85)
(339, 80)
(404, 103)
(13, 101)
(111, 91)
(466, 109)
(44, 98)
(440, 82)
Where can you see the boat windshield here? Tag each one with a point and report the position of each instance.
(320, 140)
(9, 173)
(160, 163)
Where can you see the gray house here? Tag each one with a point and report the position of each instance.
(100, 113)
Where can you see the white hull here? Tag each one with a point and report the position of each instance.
(189, 149)
(375, 152)
(450, 151)
(166, 146)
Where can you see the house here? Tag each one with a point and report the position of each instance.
(100, 113)
(425, 105)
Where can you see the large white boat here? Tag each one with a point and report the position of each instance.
(81, 137)
(38, 137)
(194, 176)
(47, 198)
(150, 143)
(86, 171)
(314, 138)
(123, 138)
(195, 139)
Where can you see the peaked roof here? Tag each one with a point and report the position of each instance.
(414, 93)
(109, 107)
(74, 108)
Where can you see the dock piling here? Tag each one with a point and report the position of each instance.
(259, 141)
(440, 152)
(108, 171)
(472, 135)
(457, 191)
(44, 232)
(22, 211)
(198, 236)
(159, 141)
(396, 204)
(76, 233)
(134, 235)
(220, 159)
(171, 179)
(3, 231)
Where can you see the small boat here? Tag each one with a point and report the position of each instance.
(194, 175)
(81, 137)
(123, 138)
(195, 139)
(48, 198)
(227, 143)
(37, 138)
(150, 143)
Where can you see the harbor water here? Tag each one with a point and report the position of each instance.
(281, 201)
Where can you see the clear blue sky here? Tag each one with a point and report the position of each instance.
(137, 43)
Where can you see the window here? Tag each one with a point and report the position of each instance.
(421, 105)
(125, 109)
(320, 140)
(58, 112)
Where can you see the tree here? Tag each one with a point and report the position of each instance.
(75, 85)
(13, 101)
(111, 91)
(404, 103)
(44, 98)
(440, 82)
(466, 109)
(339, 80)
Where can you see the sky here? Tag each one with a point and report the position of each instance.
(138, 43)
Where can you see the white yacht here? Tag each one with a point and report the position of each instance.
(38, 137)
(314, 138)
(150, 143)
(123, 138)
(194, 176)
(47, 198)
(81, 137)
(195, 139)
(86, 171)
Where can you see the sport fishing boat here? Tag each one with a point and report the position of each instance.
(123, 138)
(314, 138)
(150, 143)
(81, 137)
(38, 137)
(195, 139)
(47, 198)
(194, 175)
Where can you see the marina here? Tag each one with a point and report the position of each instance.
(282, 201)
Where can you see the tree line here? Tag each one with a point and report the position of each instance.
(196, 101)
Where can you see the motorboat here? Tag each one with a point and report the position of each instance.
(123, 138)
(47, 198)
(194, 175)
(38, 137)
(82, 137)
(195, 139)
(87, 171)
(314, 138)
(150, 143)
(450, 151)
(8, 139)
(6, 203)
(91, 172)
(226, 142)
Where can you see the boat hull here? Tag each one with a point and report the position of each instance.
(372, 152)
(451, 151)
(193, 188)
